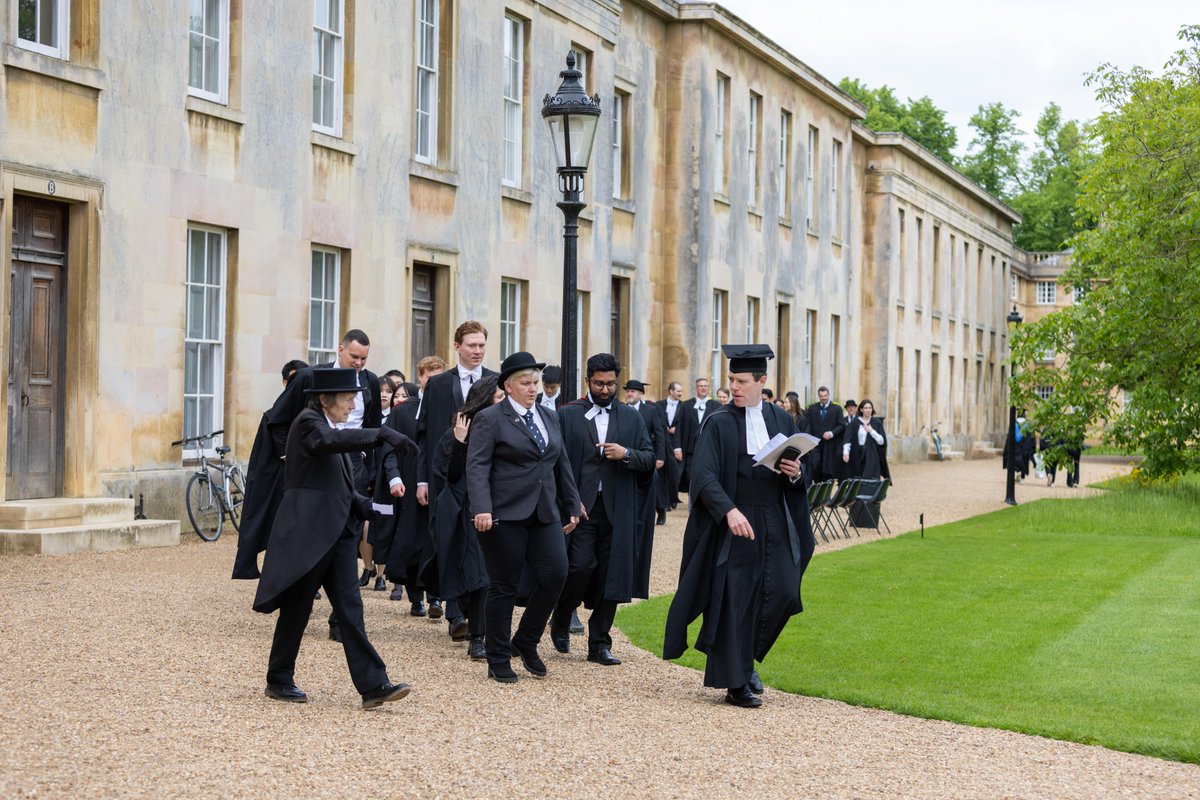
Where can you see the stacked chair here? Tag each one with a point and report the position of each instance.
(830, 502)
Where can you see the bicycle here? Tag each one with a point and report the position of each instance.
(936, 439)
(215, 490)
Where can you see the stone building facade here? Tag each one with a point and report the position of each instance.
(192, 193)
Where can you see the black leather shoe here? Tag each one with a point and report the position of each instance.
(397, 592)
(742, 697)
(381, 584)
(388, 693)
(459, 630)
(317, 596)
(561, 640)
(418, 609)
(335, 633)
(576, 625)
(755, 684)
(435, 609)
(604, 657)
(661, 519)
(530, 658)
(476, 651)
(288, 694)
(502, 672)
(366, 577)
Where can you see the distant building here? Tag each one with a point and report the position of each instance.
(197, 192)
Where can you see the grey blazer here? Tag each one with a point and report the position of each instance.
(506, 475)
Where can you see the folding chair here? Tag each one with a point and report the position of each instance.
(872, 495)
(818, 495)
(846, 495)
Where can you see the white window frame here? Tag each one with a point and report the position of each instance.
(323, 309)
(718, 325)
(719, 137)
(620, 99)
(835, 186)
(514, 100)
(751, 319)
(425, 57)
(752, 153)
(1014, 287)
(582, 63)
(510, 317)
(221, 95)
(810, 333)
(785, 124)
(1077, 293)
(810, 220)
(835, 341)
(1047, 293)
(336, 35)
(211, 336)
(1044, 392)
(61, 49)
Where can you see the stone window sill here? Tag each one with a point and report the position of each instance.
(208, 108)
(333, 143)
(29, 61)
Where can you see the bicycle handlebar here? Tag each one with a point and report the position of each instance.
(200, 438)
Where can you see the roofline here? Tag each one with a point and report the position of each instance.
(919, 151)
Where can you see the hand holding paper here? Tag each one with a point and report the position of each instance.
(771, 452)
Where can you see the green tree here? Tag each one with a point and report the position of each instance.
(1137, 327)
(919, 119)
(994, 156)
(1051, 181)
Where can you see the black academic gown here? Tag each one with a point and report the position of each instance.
(867, 460)
(319, 503)
(624, 488)
(264, 471)
(827, 458)
(746, 602)
(456, 566)
(408, 525)
(672, 470)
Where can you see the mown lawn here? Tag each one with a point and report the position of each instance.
(1073, 619)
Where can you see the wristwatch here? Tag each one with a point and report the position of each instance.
(625, 458)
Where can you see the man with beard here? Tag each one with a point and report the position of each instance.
(611, 459)
(656, 426)
(747, 540)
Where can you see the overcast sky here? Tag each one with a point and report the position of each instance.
(1023, 53)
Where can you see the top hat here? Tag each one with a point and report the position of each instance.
(636, 386)
(516, 362)
(552, 374)
(334, 380)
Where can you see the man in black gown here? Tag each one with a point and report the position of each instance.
(656, 426)
(825, 421)
(748, 538)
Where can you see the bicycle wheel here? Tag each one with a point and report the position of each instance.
(237, 494)
(203, 507)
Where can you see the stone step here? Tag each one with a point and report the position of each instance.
(97, 538)
(948, 455)
(63, 512)
(981, 450)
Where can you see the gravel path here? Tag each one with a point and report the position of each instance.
(140, 673)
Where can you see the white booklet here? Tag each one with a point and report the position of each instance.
(769, 455)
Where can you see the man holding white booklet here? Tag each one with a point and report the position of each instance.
(748, 538)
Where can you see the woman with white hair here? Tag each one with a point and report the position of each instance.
(523, 498)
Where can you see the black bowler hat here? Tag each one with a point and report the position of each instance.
(637, 386)
(552, 374)
(747, 357)
(334, 380)
(516, 362)
(849, 403)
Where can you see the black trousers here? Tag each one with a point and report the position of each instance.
(472, 605)
(588, 550)
(508, 549)
(337, 573)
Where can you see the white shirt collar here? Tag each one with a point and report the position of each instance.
(522, 410)
(595, 410)
(756, 429)
(465, 372)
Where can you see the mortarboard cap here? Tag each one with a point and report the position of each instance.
(747, 357)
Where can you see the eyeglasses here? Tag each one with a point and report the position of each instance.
(606, 385)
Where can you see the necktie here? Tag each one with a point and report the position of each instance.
(533, 429)
(470, 379)
(822, 412)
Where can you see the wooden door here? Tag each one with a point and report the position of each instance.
(36, 336)
(424, 330)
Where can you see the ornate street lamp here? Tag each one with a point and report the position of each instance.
(1014, 319)
(573, 118)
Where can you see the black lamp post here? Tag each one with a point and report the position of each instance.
(1010, 485)
(573, 118)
